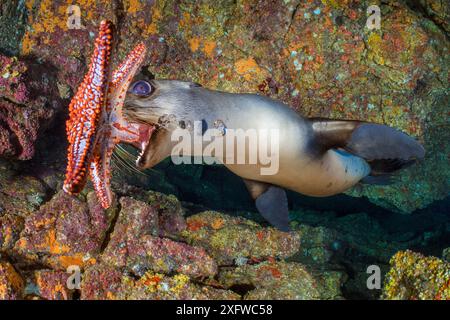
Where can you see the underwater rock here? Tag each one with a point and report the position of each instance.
(28, 101)
(272, 280)
(327, 236)
(316, 244)
(104, 282)
(101, 282)
(227, 238)
(135, 244)
(65, 231)
(414, 276)
(438, 11)
(446, 254)
(11, 283)
(178, 287)
(10, 228)
(20, 194)
(49, 285)
(170, 213)
(20, 129)
(53, 36)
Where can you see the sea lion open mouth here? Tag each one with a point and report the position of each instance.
(145, 135)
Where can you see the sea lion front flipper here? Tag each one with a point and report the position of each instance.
(271, 202)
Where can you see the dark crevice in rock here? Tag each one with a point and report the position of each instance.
(112, 225)
(76, 295)
(417, 6)
(119, 11)
(242, 288)
(23, 265)
(294, 12)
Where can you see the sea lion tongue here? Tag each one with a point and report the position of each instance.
(96, 123)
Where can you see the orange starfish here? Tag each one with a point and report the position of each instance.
(96, 123)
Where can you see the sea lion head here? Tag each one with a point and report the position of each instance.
(159, 107)
(160, 103)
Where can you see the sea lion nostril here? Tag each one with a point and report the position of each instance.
(141, 88)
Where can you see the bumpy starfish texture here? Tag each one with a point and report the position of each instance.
(95, 122)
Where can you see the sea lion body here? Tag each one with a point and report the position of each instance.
(303, 167)
(317, 157)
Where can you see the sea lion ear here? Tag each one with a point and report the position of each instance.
(271, 202)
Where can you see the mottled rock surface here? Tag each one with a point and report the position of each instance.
(49, 285)
(21, 195)
(273, 280)
(127, 253)
(11, 282)
(229, 238)
(170, 214)
(103, 282)
(135, 244)
(414, 276)
(28, 101)
(65, 231)
(317, 56)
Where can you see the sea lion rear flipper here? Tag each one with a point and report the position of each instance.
(271, 202)
(384, 148)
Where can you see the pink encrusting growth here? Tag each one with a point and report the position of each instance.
(95, 122)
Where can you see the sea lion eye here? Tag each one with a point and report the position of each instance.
(141, 88)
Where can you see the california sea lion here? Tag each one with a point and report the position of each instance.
(317, 157)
